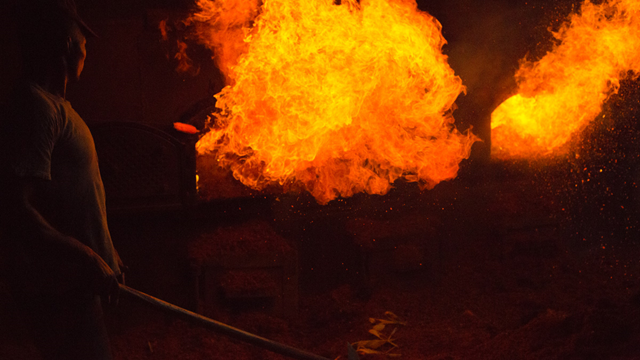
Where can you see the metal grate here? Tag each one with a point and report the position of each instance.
(144, 168)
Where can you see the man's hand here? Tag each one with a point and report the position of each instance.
(103, 280)
(123, 268)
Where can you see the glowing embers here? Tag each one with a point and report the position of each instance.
(337, 99)
(562, 92)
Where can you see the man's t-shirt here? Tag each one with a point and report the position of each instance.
(43, 137)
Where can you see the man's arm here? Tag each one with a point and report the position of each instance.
(28, 221)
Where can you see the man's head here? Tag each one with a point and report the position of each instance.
(52, 34)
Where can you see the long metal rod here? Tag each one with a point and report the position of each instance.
(219, 327)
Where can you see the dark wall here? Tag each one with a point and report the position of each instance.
(9, 65)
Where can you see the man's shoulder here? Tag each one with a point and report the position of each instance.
(29, 103)
(41, 100)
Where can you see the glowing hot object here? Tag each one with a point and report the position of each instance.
(562, 92)
(336, 98)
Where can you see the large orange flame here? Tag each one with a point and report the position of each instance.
(562, 92)
(223, 26)
(338, 98)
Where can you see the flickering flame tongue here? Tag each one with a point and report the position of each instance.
(338, 98)
(562, 92)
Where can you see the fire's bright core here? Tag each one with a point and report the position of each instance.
(560, 94)
(337, 98)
